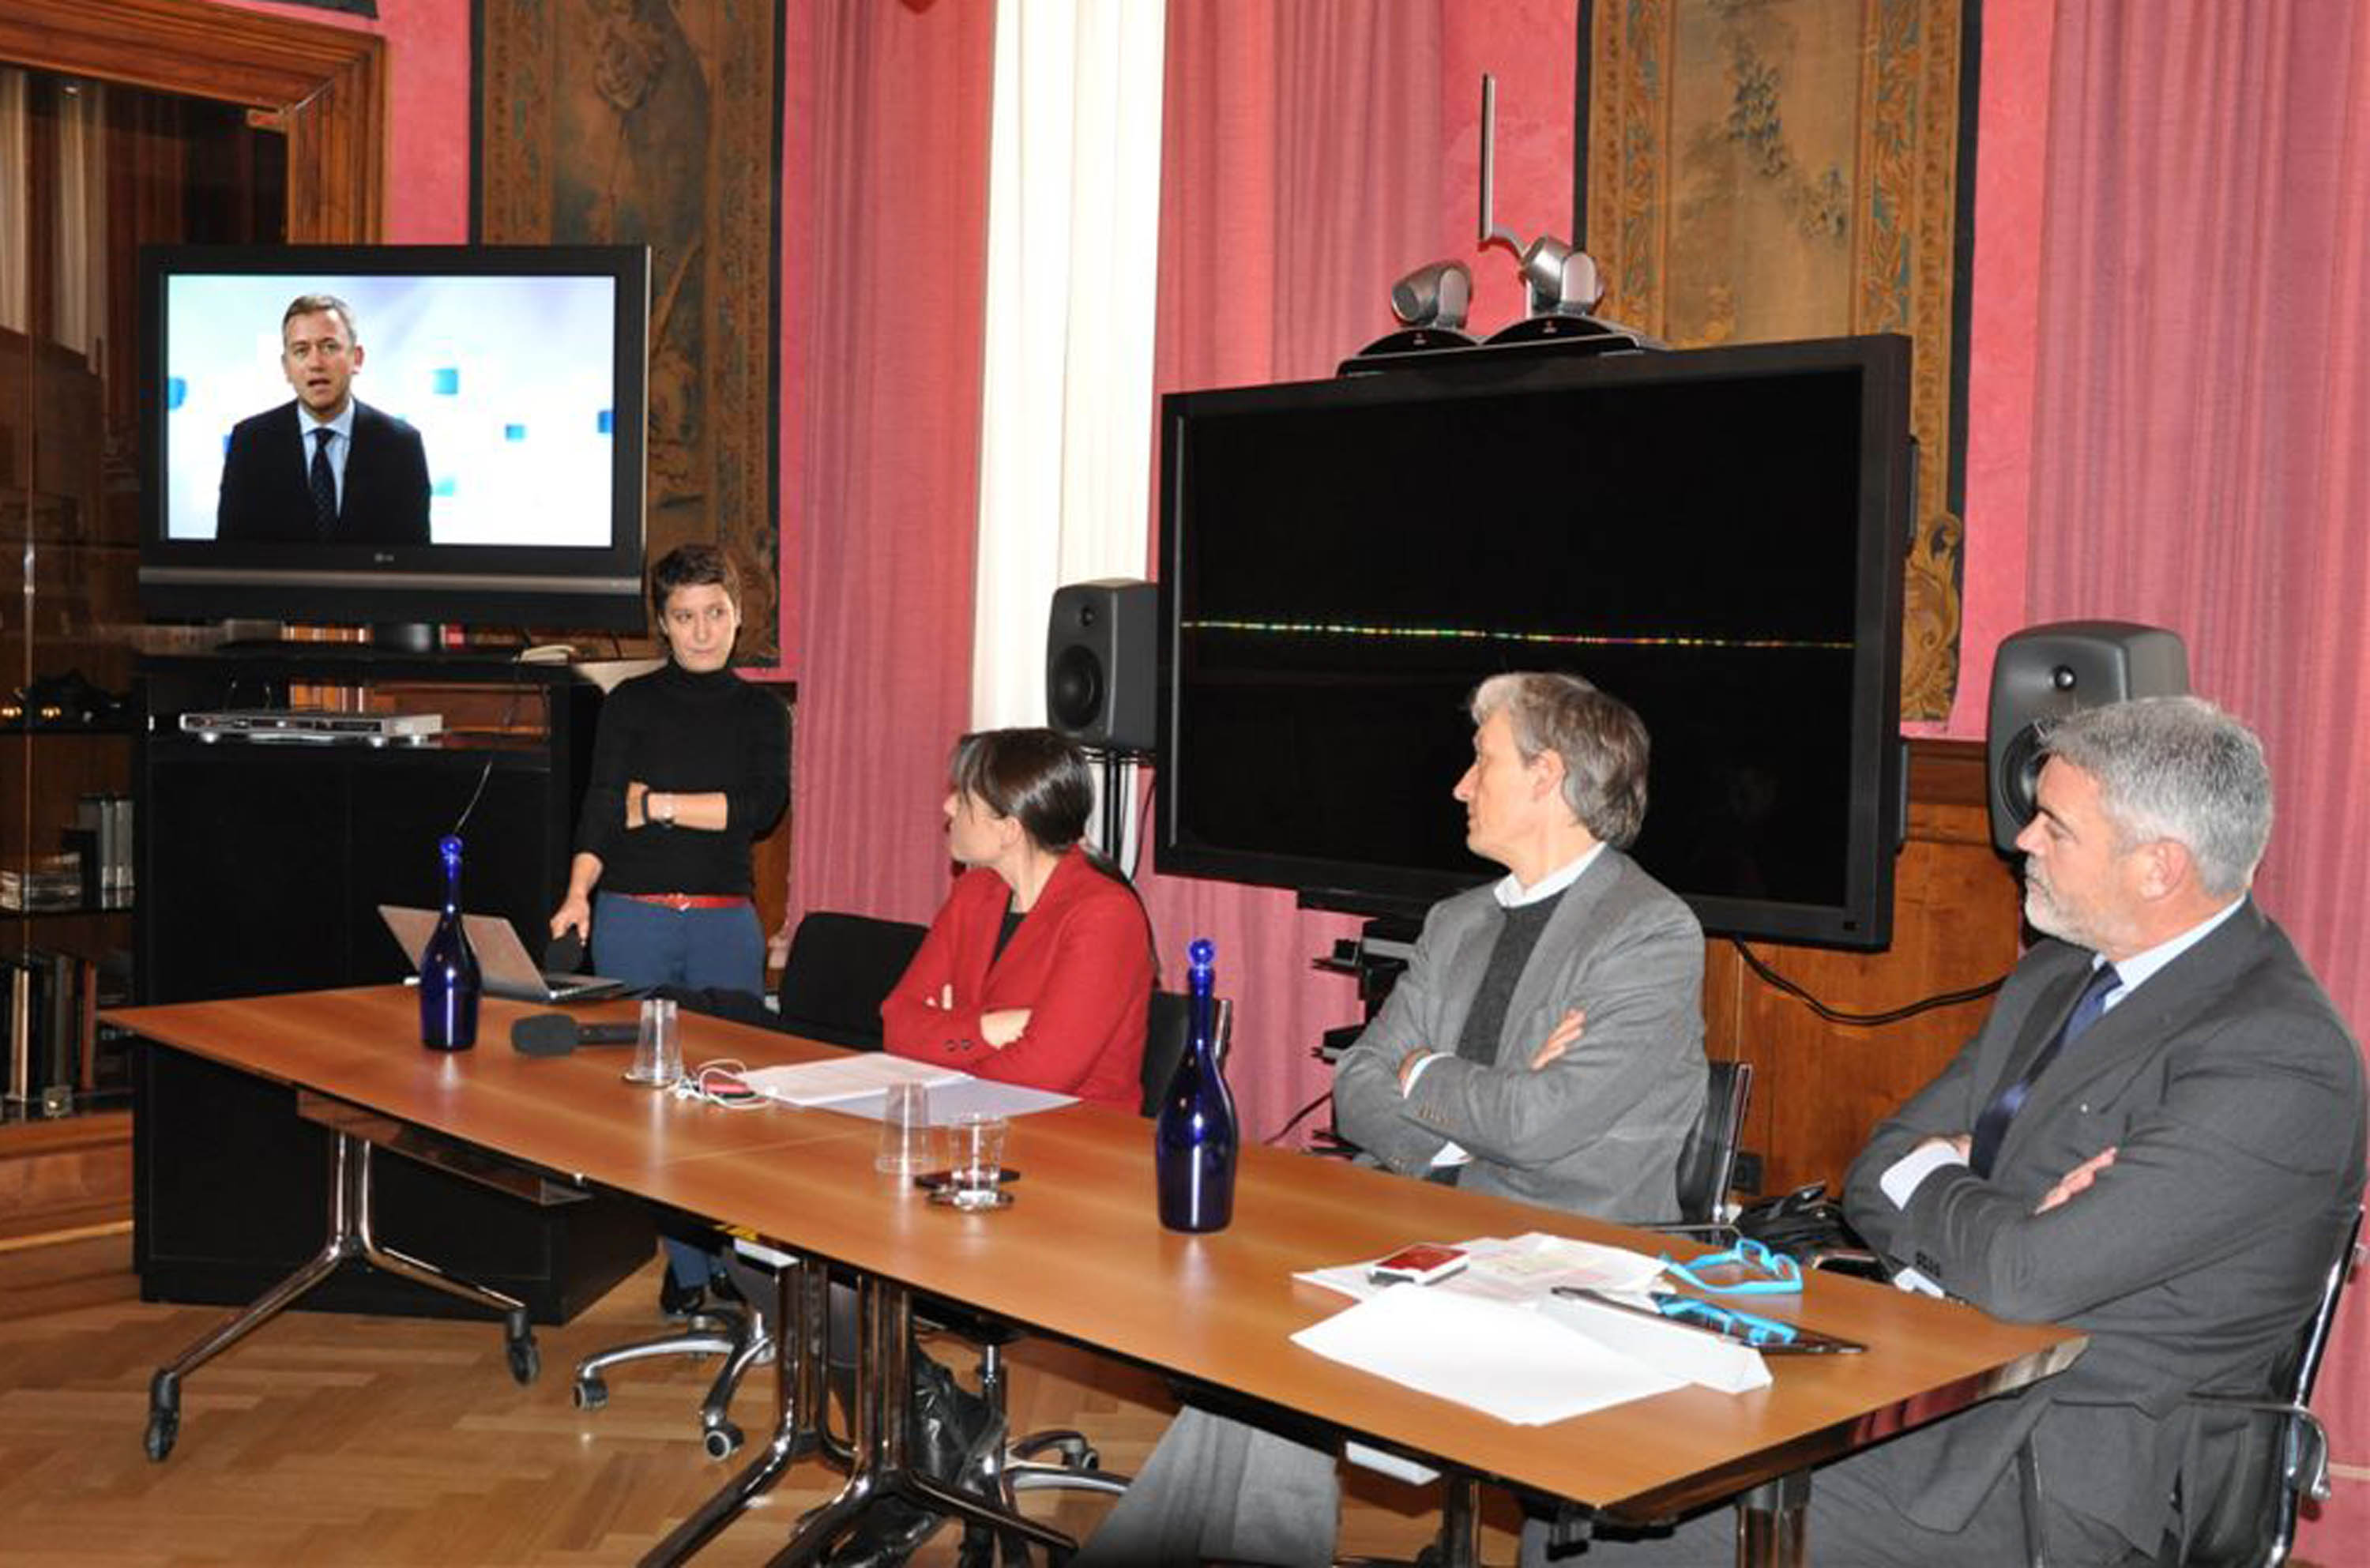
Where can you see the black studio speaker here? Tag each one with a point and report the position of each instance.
(1099, 664)
(2045, 672)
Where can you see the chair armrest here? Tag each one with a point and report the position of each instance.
(2304, 1470)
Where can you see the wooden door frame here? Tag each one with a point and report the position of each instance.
(323, 87)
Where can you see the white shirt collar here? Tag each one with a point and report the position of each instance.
(1512, 894)
(2137, 969)
(343, 424)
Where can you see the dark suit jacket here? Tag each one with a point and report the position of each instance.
(1598, 1131)
(265, 496)
(2233, 1095)
(1081, 962)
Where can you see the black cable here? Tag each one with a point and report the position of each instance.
(1891, 1015)
(486, 773)
(1297, 1117)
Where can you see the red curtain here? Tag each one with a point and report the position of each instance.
(1301, 174)
(2201, 435)
(888, 264)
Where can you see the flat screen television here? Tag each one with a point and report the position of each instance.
(1715, 536)
(521, 369)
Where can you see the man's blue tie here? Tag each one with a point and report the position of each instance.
(324, 483)
(1991, 1127)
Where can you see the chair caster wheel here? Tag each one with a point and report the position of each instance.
(721, 1440)
(164, 1426)
(526, 1359)
(590, 1393)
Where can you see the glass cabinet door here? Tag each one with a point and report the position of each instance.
(89, 172)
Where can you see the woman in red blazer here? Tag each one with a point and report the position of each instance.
(1038, 969)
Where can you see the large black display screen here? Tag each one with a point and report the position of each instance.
(1713, 536)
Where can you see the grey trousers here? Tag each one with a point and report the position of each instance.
(1852, 1523)
(1217, 1490)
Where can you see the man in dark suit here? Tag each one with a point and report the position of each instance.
(1545, 1043)
(2156, 1138)
(324, 468)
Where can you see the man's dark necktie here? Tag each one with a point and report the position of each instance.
(324, 483)
(1991, 1127)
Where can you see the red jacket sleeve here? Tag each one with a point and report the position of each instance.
(952, 958)
(1081, 964)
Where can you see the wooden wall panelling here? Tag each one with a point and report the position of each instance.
(325, 87)
(1818, 1088)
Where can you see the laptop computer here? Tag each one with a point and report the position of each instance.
(502, 957)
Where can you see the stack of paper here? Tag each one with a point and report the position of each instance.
(1501, 1359)
(844, 1077)
(858, 1086)
(1523, 1269)
(1495, 1337)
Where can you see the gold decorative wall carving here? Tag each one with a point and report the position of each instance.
(1760, 170)
(658, 122)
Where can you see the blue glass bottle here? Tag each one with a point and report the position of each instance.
(1195, 1138)
(449, 981)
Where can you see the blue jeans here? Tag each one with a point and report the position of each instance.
(643, 945)
(647, 945)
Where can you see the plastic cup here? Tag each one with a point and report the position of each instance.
(975, 1174)
(909, 1143)
(658, 1050)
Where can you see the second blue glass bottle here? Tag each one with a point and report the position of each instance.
(449, 981)
(1195, 1139)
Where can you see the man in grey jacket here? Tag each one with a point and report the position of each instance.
(1546, 1043)
(1546, 1040)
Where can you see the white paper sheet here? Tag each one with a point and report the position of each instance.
(844, 1078)
(1504, 1360)
(858, 1086)
(1523, 1269)
(1723, 1365)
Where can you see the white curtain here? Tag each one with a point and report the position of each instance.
(1073, 250)
(81, 320)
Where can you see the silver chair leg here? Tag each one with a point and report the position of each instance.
(350, 1236)
(884, 1384)
(800, 1370)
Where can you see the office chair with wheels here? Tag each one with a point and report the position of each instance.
(839, 969)
(2275, 1451)
(1708, 1159)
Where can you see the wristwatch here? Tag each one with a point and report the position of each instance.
(668, 820)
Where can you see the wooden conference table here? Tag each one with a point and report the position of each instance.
(1081, 1253)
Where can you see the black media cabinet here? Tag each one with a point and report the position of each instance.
(261, 867)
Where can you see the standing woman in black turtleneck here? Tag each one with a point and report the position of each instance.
(690, 764)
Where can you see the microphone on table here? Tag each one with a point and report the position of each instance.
(556, 1034)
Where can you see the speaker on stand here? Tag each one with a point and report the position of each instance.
(1099, 656)
(2043, 673)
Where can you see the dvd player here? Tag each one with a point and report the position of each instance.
(317, 725)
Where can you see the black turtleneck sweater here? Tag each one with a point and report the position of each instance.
(685, 734)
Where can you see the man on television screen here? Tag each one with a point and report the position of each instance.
(324, 468)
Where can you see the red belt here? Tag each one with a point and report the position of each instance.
(682, 901)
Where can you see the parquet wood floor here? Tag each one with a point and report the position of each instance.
(333, 1439)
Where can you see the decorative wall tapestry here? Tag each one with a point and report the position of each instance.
(1756, 170)
(659, 122)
